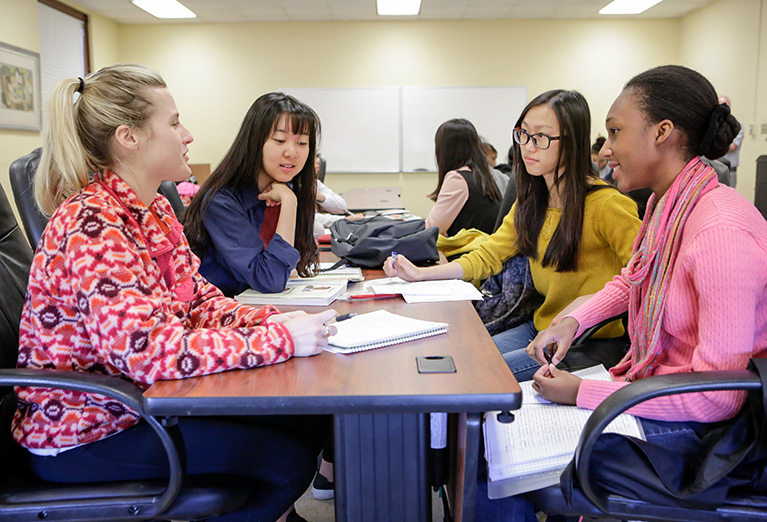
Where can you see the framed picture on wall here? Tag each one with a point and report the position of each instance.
(20, 95)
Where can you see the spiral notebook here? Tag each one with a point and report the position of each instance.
(378, 329)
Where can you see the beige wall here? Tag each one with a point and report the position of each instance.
(216, 70)
(722, 42)
(19, 30)
(18, 26)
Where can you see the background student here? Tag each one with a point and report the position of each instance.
(575, 230)
(600, 164)
(330, 206)
(114, 289)
(695, 287)
(467, 195)
(252, 222)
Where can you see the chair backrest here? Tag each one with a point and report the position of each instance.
(22, 174)
(509, 197)
(323, 166)
(15, 260)
(168, 189)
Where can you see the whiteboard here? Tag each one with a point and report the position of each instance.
(360, 126)
(492, 110)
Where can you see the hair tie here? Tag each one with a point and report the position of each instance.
(82, 85)
(718, 116)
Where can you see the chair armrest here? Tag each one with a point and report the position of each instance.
(643, 390)
(114, 388)
(589, 332)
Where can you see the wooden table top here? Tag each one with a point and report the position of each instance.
(381, 380)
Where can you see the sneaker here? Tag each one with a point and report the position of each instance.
(322, 488)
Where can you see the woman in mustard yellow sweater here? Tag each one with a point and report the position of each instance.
(576, 230)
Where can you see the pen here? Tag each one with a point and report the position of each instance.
(372, 296)
(344, 317)
(394, 260)
(547, 355)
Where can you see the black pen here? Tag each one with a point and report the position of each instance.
(547, 356)
(344, 317)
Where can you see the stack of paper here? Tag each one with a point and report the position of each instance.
(532, 451)
(426, 291)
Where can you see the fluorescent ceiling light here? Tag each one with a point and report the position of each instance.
(165, 8)
(627, 6)
(398, 7)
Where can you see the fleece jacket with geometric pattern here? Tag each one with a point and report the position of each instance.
(114, 289)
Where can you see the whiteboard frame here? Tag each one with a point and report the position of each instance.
(391, 129)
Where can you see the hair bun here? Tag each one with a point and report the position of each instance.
(722, 129)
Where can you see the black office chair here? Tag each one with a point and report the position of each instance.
(22, 172)
(591, 500)
(26, 498)
(509, 197)
(168, 189)
(323, 166)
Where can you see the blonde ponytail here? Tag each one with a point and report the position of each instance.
(63, 169)
(77, 135)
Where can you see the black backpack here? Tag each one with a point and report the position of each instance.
(368, 242)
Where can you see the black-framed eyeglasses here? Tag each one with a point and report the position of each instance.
(540, 141)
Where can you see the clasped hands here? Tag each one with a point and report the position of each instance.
(553, 384)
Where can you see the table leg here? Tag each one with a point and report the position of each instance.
(380, 468)
(463, 479)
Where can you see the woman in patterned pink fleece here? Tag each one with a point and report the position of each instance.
(115, 289)
(695, 286)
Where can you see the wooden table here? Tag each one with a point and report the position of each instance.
(362, 199)
(381, 405)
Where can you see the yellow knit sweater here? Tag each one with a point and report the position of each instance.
(610, 225)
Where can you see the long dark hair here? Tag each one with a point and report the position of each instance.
(572, 112)
(457, 144)
(687, 98)
(242, 162)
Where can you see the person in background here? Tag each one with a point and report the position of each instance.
(330, 206)
(505, 168)
(467, 195)
(327, 200)
(252, 222)
(490, 152)
(696, 286)
(575, 229)
(600, 164)
(732, 156)
(114, 289)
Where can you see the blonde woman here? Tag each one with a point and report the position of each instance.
(114, 289)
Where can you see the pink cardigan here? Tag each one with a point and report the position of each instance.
(716, 308)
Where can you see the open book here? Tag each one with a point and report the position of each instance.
(378, 329)
(532, 451)
(304, 294)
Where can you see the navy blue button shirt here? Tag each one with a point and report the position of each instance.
(237, 258)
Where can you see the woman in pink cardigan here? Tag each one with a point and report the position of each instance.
(695, 285)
